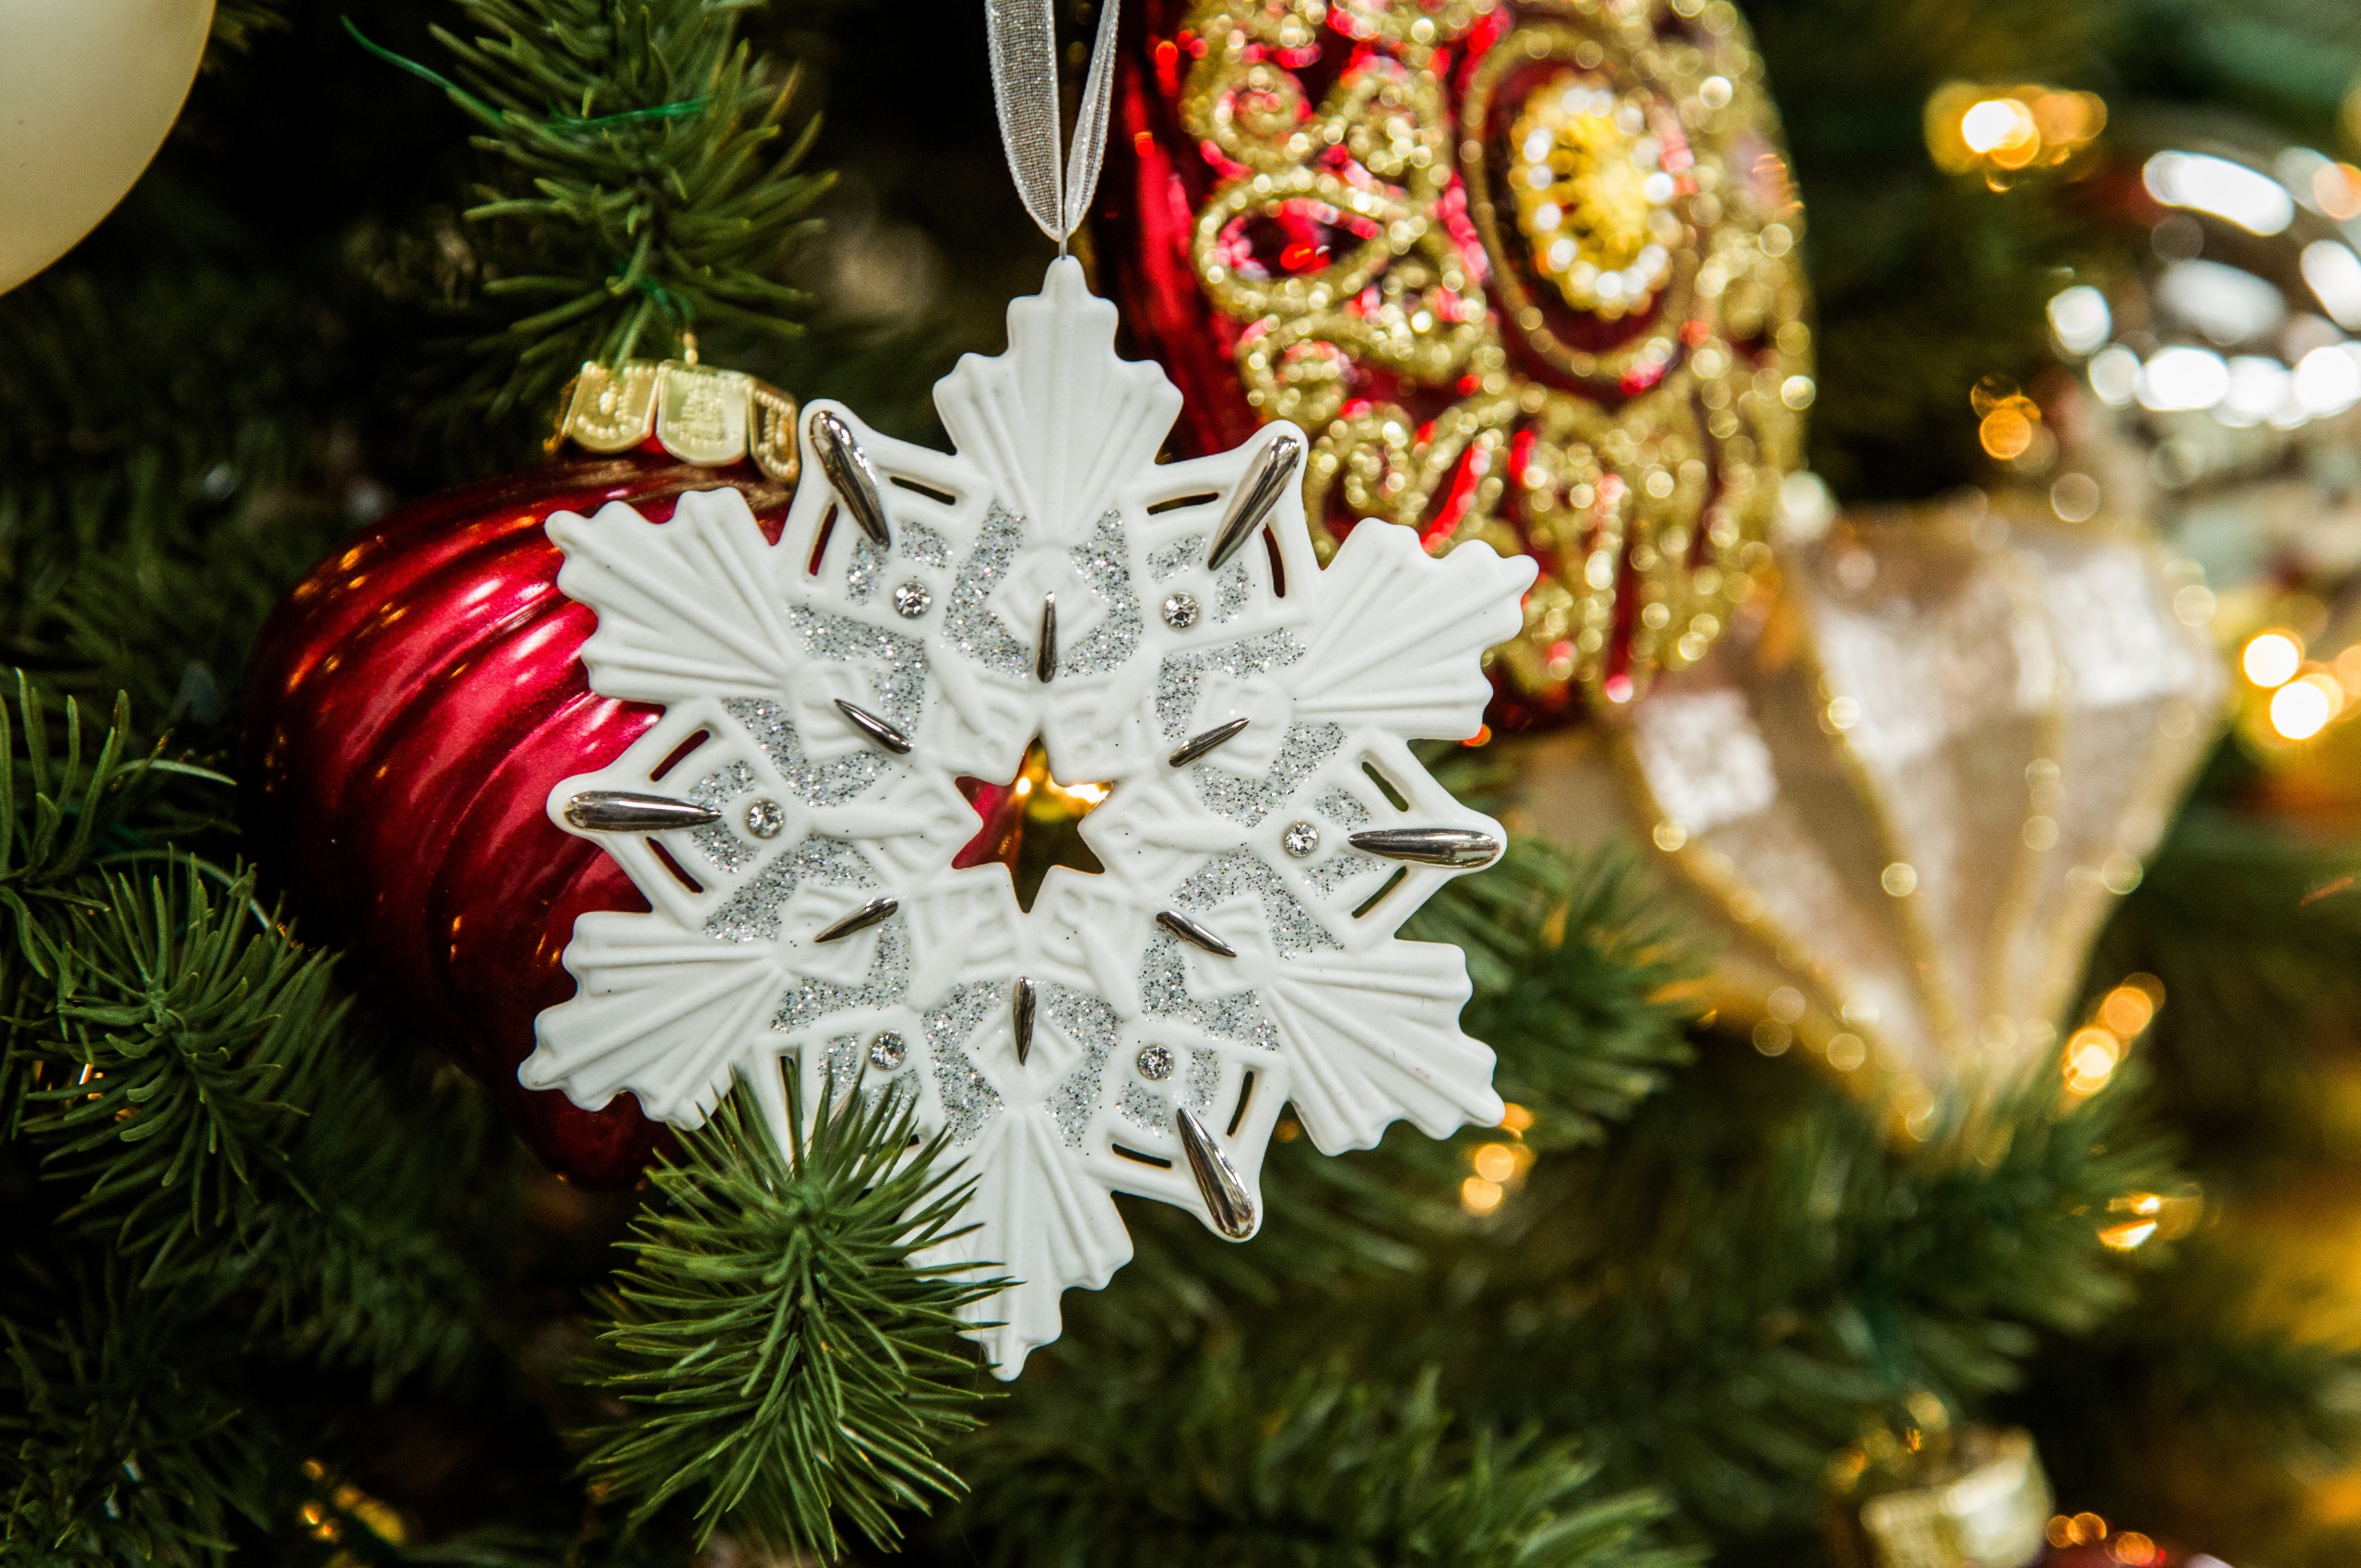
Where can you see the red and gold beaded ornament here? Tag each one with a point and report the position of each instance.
(1527, 272)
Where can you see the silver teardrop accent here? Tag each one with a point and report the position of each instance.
(1045, 660)
(1266, 479)
(1187, 930)
(868, 915)
(1024, 1010)
(848, 473)
(1431, 846)
(1196, 746)
(622, 811)
(876, 729)
(1228, 1203)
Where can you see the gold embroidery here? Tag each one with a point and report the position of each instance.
(1627, 412)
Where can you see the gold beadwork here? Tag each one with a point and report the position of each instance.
(1581, 275)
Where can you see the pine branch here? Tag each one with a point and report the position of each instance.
(1576, 985)
(382, 1255)
(1223, 1457)
(643, 186)
(1579, 983)
(1724, 1298)
(189, 1033)
(235, 23)
(116, 1447)
(2206, 1379)
(783, 1358)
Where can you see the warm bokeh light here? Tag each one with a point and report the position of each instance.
(1516, 1118)
(2348, 669)
(2091, 1056)
(2133, 1550)
(1495, 1162)
(1998, 124)
(2126, 1010)
(2001, 131)
(1478, 1197)
(2337, 188)
(2007, 431)
(2301, 710)
(2271, 659)
(2123, 1236)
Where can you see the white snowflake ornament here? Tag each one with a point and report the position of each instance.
(1166, 634)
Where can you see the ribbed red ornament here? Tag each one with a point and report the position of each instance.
(409, 710)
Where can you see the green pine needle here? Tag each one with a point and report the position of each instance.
(190, 1027)
(782, 1358)
(644, 185)
(1223, 1458)
(116, 1448)
(1581, 983)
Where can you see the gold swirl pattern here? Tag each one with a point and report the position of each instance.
(1527, 270)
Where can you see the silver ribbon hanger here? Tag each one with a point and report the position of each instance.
(1024, 38)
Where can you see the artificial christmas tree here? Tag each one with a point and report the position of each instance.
(284, 1283)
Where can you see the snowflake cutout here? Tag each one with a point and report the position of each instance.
(792, 818)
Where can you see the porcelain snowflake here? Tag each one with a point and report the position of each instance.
(1162, 630)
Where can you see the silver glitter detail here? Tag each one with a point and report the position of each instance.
(1144, 1106)
(1180, 611)
(1181, 673)
(969, 1099)
(1300, 838)
(912, 600)
(766, 818)
(1176, 557)
(970, 623)
(1104, 562)
(898, 674)
(1293, 929)
(1248, 800)
(1164, 988)
(1155, 1064)
(813, 783)
(843, 1066)
(1343, 808)
(861, 572)
(923, 544)
(841, 1062)
(1233, 588)
(714, 840)
(752, 911)
(1203, 1081)
(1337, 870)
(887, 1051)
(1091, 1023)
(809, 999)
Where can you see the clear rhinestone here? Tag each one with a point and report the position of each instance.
(1180, 611)
(1300, 838)
(911, 599)
(1155, 1064)
(766, 818)
(886, 1052)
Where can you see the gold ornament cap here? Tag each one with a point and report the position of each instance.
(700, 414)
(1977, 1498)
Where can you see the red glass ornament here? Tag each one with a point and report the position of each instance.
(409, 710)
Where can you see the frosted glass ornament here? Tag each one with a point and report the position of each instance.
(87, 90)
